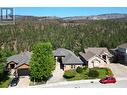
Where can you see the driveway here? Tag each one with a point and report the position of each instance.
(118, 70)
(57, 75)
(23, 82)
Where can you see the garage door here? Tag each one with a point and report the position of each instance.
(23, 72)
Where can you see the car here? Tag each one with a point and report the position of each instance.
(108, 80)
(14, 82)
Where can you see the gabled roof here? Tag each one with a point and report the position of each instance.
(123, 45)
(21, 58)
(98, 51)
(69, 56)
(87, 55)
(21, 65)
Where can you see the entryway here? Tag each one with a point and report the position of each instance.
(57, 75)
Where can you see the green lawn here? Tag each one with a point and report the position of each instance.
(84, 74)
(5, 82)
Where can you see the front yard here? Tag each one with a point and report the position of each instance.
(87, 73)
(5, 82)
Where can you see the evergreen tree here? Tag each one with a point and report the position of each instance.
(42, 62)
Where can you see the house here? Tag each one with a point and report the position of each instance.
(19, 64)
(95, 57)
(67, 59)
(121, 53)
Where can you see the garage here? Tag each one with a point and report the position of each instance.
(23, 72)
(22, 69)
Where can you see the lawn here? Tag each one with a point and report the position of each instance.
(5, 82)
(97, 73)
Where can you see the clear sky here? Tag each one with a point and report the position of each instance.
(68, 11)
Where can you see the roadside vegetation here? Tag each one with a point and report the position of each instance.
(4, 75)
(82, 73)
(42, 62)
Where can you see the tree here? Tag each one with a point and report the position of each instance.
(4, 54)
(42, 62)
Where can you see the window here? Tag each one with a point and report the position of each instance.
(72, 66)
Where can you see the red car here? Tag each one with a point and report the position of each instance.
(108, 80)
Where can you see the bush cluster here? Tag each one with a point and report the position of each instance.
(69, 74)
(93, 73)
(79, 69)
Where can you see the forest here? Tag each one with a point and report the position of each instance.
(73, 35)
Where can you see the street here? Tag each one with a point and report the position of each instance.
(121, 83)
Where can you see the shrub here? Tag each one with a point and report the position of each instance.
(93, 73)
(109, 72)
(79, 69)
(69, 74)
(85, 68)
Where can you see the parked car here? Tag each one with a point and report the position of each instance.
(108, 80)
(14, 82)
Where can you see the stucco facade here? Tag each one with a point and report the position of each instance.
(69, 67)
(96, 62)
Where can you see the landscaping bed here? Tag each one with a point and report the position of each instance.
(87, 73)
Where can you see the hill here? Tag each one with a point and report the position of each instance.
(74, 33)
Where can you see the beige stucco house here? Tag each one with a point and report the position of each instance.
(96, 57)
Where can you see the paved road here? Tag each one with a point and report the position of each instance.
(122, 83)
(118, 70)
(57, 75)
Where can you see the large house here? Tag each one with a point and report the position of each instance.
(19, 64)
(96, 57)
(67, 59)
(121, 53)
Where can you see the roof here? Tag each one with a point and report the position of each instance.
(21, 58)
(87, 55)
(21, 65)
(69, 56)
(123, 45)
(60, 52)
(98, 51)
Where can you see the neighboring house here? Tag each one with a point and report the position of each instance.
(19, 63)
(96, 57)
(67, 59)
(121, 53)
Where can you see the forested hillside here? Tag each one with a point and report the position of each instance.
(74, 35)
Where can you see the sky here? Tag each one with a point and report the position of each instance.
(68, 11)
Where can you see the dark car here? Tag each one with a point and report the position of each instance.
(14, 82)
(108, 80)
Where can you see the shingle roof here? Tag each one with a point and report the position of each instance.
(87, 55)
(123, 45)
(21, 58)
(98, 51)
(69, 56)
(60, 52)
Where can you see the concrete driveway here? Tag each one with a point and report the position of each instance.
(119, 70)
(23, 82)
(57, 75)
